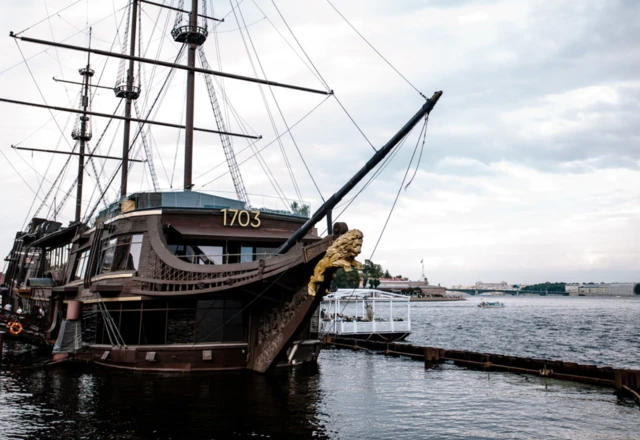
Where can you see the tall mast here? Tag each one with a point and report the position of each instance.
(82, 131)
(194, 36)
(129, 92)
(191, 79)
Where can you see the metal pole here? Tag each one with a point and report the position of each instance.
(373, 315)
(83, 136)
(122, 118)
(79, 83)
(336, 304)
(172, 65)
(127, 108)
(191, 78)
(1, 344)
(71, 153)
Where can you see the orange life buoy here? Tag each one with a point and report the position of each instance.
(15, 328)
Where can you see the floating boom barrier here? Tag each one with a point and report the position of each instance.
(626, 381)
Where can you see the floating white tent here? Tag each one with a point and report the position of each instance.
(365, 313)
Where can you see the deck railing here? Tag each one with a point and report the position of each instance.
(224, 258)
(363, 327)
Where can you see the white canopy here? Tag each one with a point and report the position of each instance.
(364, 294)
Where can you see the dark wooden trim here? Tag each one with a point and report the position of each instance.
(159, 246)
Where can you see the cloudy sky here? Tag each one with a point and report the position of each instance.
(531, 167)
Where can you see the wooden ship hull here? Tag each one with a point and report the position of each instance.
(141, 299)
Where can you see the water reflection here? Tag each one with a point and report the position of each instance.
(91, 402)
(354, 395)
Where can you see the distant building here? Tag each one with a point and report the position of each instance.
(611, 289)
(407, 287)
(572, 288)
(622, 289)
(489, 286)
(594, 289)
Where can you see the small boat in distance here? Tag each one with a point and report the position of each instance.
(490, 304)
(365, 313)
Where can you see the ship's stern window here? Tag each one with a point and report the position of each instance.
(198, 254)
(56, 263)
(32, 263)
(81, 265)
(134, 252)
(121, 253)
(210, 254)
(246, 254)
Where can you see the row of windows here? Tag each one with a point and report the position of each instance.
(208, 254)
(58, 257)
(123, 253)
(120, 253)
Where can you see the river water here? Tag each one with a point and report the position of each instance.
(357, 395)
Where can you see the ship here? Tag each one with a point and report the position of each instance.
(175, 281)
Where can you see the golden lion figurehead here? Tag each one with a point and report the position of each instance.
(341, 253)
(347, 246)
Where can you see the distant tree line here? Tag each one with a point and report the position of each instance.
(546, 287)
(369, 275)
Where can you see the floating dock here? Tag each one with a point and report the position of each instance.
(624, 380)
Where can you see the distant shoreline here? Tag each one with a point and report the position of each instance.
(413, 298)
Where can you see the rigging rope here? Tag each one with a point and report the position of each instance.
(320, 76)
(313, 72)
(250, 144)
(265, 147)
(279, 109)
(61, 131)
(20, 175)
(40, 91)
(398, 193)
(227, 108)
(266, 104)
(66, 125)
(154, 70)
(57, 57)
(422, 135)
(376, 50)
(45, 19)
(175, 157)
(371, 179)
(61, 41)
(162, 89)
(424, 139)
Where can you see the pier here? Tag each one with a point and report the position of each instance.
(625, 381)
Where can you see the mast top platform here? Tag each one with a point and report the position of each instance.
(86, 71)
(122, 91)
(190, 34)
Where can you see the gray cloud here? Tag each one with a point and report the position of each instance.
(539, 116)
